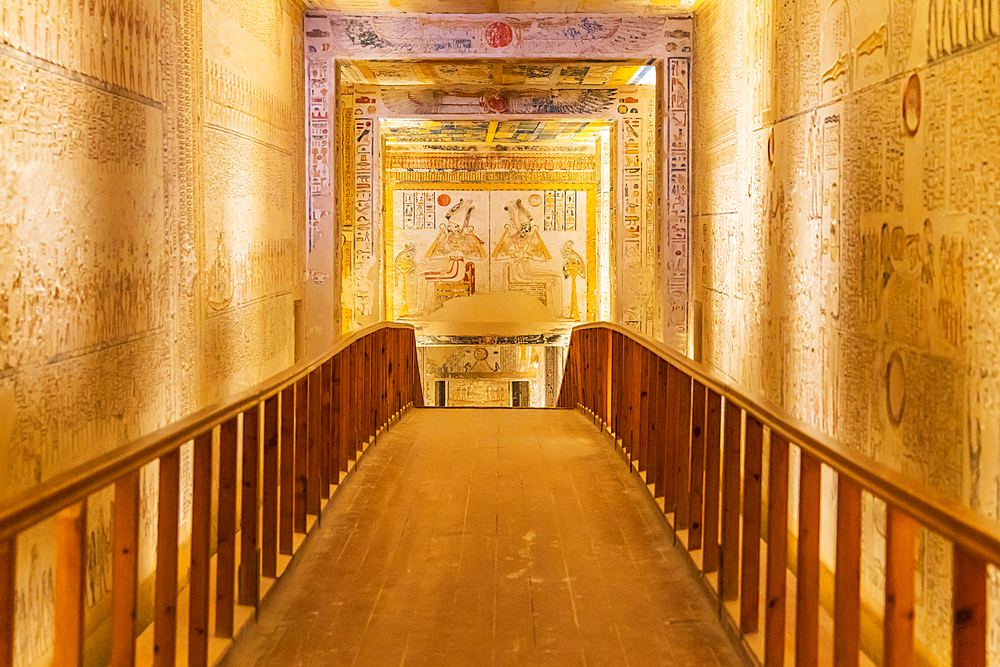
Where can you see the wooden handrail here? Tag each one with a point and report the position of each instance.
(72, 486)
(315, 419)
(976, 533)
(665, 411)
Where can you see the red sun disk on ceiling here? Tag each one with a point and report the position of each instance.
(499, 35)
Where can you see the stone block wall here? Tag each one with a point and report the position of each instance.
(151, 242)
(845, 217)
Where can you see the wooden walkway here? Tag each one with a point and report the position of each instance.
(488, 537)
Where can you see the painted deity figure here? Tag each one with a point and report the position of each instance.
(573, 267)
(405, 270)
(522, 244)
(456, 247)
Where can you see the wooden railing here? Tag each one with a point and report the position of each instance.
(301, 430)
(698, 440)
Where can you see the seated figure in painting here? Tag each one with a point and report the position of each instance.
(522, 244)
(454, 248)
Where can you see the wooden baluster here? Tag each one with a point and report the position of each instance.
(614, 385)
(286, 523)
(807, 591)
(225, 563)
(301, 453)
(696, 502)
(249, 509)
(730, 574)
(313, 461)
(647, 366)
(655, 426)
(368, 387)
(326, 378)
(713, 452)
(201, 532)
(777, 553)
(8, 586)
(416, 384)
(269, 503)
(670, 449)
(609, 370)
(125, 570)
(658, 459)
(165, 592)
(968, 636)
(682, 447)
(847, 590)
(632, 387)
(70, 578)
(900, 540)
(752, 484)
(345, 388)
(392, 373)
(353, 401)
(336, 416)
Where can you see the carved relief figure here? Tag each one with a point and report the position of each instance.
(573, 268)
(522, 244)
(455, 245)
(404, 277)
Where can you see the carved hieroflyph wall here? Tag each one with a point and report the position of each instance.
(846, 229)
(151, 244)
(648, 268)
(474, 233)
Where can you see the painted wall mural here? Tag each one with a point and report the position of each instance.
(150, 230)
(386, 56)
(451, 243)
(843, 254)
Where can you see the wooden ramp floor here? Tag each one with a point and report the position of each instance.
(488, 537)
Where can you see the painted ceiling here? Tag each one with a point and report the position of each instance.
(506, 132)
(669, 7)
(537, 74)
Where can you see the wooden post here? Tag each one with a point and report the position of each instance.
(682, 447)
(668, 455)
(125, 570)
(807, 593)
(287, 497)
(326, 437)
(847, 591)
(646, 366)
(656, 427)
(314, 445)
(752, 484)
(713, 451)
(301, 454)
(729, 585)
(968, 636)
(70, 578)
(696, 501)
(201, 529)
(900, 558)
(777, 553)
(249, 509)
(225, 562)
(165, 594)
(269, 522)
(8, 587)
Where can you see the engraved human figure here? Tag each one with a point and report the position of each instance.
(404, 276)
(522, 244)
(456, 247)
(573, 267)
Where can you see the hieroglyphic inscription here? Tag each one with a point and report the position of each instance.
(677, 195)
(237, 103)
(114, 41)
(366, 247)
